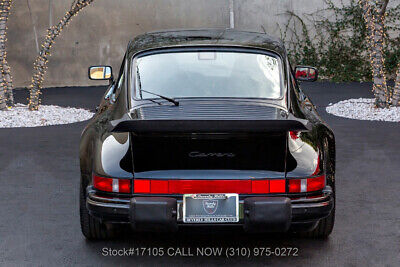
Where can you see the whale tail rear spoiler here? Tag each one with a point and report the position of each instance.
(210, 126)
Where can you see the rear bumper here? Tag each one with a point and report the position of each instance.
(255, 212)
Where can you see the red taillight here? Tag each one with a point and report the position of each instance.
(124, 185)
(209, 186)
(315, 184)
(112, 184)
(103, 184)
(294, 185)
(306, 185)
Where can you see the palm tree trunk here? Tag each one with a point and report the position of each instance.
(3, 99)
(375, 27)
(6, 96)
(3, 46)
(40, 64)
(396, 89)
(9, 83)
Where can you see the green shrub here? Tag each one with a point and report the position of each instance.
(337, 45)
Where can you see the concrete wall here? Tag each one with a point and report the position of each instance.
(100, 33)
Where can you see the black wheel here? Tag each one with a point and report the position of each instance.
(92, 228)
(324, 227)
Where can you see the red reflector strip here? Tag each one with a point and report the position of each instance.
(141, 186)
(260, 186)
(159, 187)
(209, 186)
(277, 186)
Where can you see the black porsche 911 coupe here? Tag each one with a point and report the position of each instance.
(206, 127)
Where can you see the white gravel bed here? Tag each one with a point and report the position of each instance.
(363, 109)
(20, 116)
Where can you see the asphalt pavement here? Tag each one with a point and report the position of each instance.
(39, 219)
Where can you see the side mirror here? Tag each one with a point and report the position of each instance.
(100, 73)
(305, 73)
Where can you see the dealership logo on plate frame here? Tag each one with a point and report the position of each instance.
(210, 206)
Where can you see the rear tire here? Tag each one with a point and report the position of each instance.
(324, 227)
(91, 227)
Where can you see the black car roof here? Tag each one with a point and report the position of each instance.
(206, 37)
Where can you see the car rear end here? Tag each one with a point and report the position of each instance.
(236, 177)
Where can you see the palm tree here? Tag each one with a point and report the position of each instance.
(40, 64)
(6, 94)
(374, 15)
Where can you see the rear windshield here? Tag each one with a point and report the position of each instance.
(207, 74)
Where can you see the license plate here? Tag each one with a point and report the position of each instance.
(210, 208)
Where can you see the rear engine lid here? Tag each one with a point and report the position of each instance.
(264, 152)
